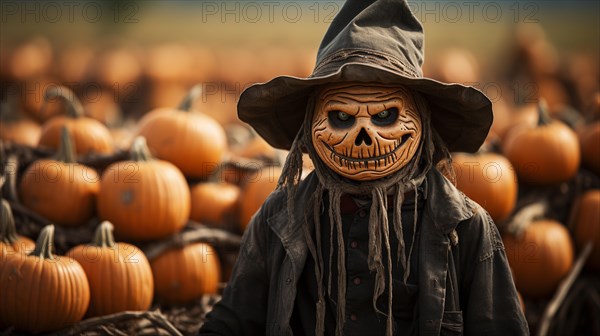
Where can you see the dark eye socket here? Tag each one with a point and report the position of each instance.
(340, 119)
(385, 117)
(343, 116)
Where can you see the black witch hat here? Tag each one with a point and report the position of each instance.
(369, 41)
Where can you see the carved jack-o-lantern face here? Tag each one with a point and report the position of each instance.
(365, 132)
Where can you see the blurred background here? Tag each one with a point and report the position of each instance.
(536, 60)
(145, 54)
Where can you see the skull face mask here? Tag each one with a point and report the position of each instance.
(365, 132)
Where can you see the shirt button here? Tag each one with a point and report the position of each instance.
(353, 244)
(353, 317)
(362, 213)
(356, 281)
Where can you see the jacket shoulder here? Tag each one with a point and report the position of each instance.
(276, 202)
(478, 234)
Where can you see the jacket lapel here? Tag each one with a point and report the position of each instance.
(446, 207)
(292, 239)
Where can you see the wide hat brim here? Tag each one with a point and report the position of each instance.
(461, 115)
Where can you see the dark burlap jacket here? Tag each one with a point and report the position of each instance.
(465, 284)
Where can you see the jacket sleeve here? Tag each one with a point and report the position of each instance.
(242, 309)
(488, 295)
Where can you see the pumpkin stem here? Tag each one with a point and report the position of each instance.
(8, 231)
(140, 150)
(103, 237)
(66, 149)
(10, 178)
(74, 107)
(9, 110)
(188, 101)
(45, 243)
(543, 116)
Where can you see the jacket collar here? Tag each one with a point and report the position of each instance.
(446, 205)
(279, 222)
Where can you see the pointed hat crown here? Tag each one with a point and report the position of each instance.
(378, 41)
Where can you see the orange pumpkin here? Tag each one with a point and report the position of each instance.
(130, 287)
(166, 94)
(204, 63)
(22, 131)
(122, 137)
(488, 179)
(455, 65)
(553, 92)
(507, 117)
(214, 203)
(89, 135)
(144, 198)
(540, 258)
(185, 274)
(589, 139)
(74, 62)
(118, 67)
(60, 189)
(41, 292)
(169, 63)
(31, 59)
(104, 108)
(255, 191)
(587, 224)
(257, 148)
(546, 154)
(193, 141)
(10, 242)
(31, 98)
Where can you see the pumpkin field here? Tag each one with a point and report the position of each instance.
(127, 180)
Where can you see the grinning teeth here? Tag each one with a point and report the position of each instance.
(378, 157)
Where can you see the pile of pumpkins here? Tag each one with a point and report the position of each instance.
(174, 175)
(543, 147)
(541, 153)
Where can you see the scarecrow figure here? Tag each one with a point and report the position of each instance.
(376, 241)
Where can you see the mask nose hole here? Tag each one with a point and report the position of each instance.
(363, 136)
